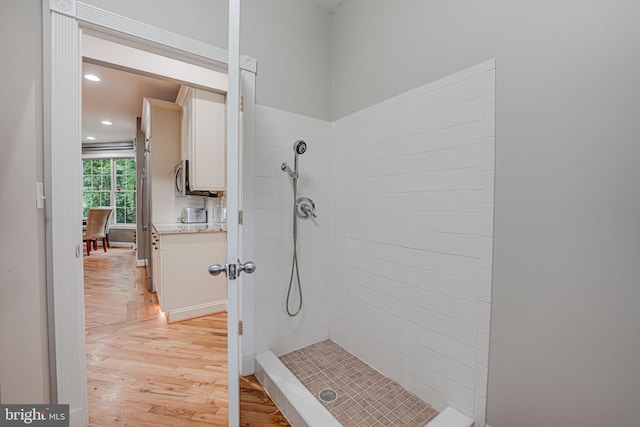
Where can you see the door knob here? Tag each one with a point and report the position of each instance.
(232, 270)
(248, 267)
(215, 269)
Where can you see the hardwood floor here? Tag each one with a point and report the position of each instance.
(114, 290)
(144, 372)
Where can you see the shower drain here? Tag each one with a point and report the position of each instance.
(328, 395)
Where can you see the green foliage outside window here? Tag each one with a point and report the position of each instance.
(110, 182)
(96, 184)
(125, 191)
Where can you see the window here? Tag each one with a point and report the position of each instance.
(110, 182)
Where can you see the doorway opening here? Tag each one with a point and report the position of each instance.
(62, 116)
(135, 357)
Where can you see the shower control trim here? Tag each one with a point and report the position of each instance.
(305, 208)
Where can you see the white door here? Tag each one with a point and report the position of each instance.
(234, 265)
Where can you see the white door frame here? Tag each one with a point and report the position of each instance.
(63, 21)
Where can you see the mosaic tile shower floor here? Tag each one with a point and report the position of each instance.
(365, 397)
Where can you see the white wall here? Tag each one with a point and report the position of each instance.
(24, 370)
(567, 219)
(276, 132)
(291, 39)
(411, 237)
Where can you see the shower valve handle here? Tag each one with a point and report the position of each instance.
(307, 210)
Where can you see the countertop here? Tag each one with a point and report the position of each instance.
(178, 227)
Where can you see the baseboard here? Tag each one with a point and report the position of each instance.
(196, 311)
(77, 417)
(121, 244)
(141, 263)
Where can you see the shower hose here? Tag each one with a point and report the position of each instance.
(294, 261)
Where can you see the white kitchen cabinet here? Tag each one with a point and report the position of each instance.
(161, 126)
(185, 287)
(203, 138)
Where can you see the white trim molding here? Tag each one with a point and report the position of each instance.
(64, 255)
(65, 7)
(248, 63)
(93, 16)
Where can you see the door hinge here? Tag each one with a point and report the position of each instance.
(242, 103)
(240, 217)
(240, 327)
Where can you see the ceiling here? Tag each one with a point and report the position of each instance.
(118, 99)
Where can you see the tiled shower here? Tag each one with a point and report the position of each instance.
(397, 267)
(276, 131)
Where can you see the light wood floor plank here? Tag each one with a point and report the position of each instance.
(144, 372)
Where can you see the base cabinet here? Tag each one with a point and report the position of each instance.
(185, 287)
(156, 262)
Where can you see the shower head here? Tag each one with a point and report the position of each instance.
(300, 147)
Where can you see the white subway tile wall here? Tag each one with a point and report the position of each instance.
(276, 132)
(397, 267)
(412, 237)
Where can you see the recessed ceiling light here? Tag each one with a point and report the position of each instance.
(91, 138)
(106, 122)
(92, 77)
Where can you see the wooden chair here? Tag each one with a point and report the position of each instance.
(97, 221)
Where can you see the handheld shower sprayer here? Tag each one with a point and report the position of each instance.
(299, 147)
(303, 208)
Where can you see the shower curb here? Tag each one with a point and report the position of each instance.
(296, 403)
(450, 417)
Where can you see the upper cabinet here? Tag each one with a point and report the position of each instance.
(203, 138)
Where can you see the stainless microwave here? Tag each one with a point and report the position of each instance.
(181, 184)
